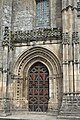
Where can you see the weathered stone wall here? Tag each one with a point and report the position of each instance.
(0, 48)
(78, 21)
(23, 14)
(6, 13)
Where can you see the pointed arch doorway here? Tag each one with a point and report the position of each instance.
(38, 88)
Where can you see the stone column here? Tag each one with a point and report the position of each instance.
(52, 105)
(27, 94)
(70, 21)
(5, 77)
(75, 46)
(65, 68)
(70, 100)
(67, 53)
(6, 48)
(1, 49)
(65, 47)
(51, 88)
(76, 61)
(5, 69)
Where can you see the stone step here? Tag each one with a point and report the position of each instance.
(30, 117)
(68, 117)
(36, 116)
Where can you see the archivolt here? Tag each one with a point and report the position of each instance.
(37, 54)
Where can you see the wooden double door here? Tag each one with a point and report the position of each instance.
(38, 88)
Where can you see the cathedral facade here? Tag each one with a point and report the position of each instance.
(39, 56)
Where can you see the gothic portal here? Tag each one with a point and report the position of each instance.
(40, 56)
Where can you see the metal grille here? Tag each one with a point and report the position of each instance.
(38, 90)
(42, 13)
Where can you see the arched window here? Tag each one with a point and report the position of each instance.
(42, 13)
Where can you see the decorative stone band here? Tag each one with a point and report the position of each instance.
(66, 38)
(36, 35)
(67, 62)
(41, 34)
(75, 38)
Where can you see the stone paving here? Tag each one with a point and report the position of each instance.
(30, 116)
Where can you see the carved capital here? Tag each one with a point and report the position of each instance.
(5, 43)
(65, 37)
(75, 38)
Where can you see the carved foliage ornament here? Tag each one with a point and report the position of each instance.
(36, 35)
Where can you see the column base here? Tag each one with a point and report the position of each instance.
(5, 114)
(70, 105)
(53, 107)
(6, 107)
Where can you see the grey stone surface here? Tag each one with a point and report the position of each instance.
(60, 54)
(31, 117)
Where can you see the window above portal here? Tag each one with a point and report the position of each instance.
(42, 13)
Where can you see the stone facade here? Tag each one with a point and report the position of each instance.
(22, 44)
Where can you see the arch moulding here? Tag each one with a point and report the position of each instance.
(43, 55)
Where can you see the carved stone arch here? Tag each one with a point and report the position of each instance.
(43, 55)
(38, 59)
(37, 51)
